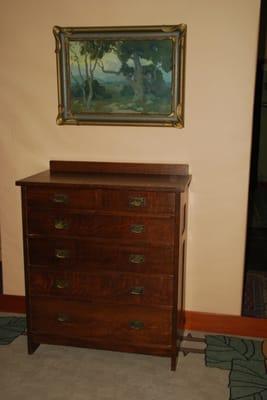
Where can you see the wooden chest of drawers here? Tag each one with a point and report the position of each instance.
(104, 249)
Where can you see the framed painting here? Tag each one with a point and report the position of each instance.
(121, 76)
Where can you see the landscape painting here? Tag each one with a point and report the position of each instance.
(115, 76)
(126, 76)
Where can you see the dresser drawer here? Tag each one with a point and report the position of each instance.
(62, 198)
(134, 229)
(111, 323)
(138, 202)
(87, 255)
(106, 287)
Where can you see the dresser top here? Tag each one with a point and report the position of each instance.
(163, 177)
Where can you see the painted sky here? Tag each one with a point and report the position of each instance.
(111, 62)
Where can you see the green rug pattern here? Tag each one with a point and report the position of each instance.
(10, 328)
(245, 359)
(246, 362)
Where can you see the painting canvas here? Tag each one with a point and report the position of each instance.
(120, 77)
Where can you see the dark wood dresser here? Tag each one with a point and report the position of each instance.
(104, 249)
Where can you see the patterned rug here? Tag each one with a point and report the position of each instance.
(245, 359)
(10, 328)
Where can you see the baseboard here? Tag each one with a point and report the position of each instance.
(226, 324)
(195, 321)
(12, 304)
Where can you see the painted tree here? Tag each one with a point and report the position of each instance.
(142, 63)
(86, 55)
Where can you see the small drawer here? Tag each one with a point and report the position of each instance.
(119, 288)
(61, 198)
(89, 256)
(111, 323)
(138, 201)
(132, 229)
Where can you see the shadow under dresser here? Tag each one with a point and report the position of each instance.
(104, 251)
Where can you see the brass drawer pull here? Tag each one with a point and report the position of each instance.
(136, 324)
(62, 253)
(63, 317)
(61, 284)
(137, 290)
(137, 202)
(60, 198)
(61, 224)
(136, 258)
(137, 228)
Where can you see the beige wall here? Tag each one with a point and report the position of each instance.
(220, 70)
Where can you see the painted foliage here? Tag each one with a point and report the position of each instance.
(121, 76)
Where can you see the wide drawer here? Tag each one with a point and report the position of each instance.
(134, 229)
(105, 287)
(138, 201)
(83, 254)
(62, 198)
(112, 323)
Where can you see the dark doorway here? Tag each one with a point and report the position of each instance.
(255, 281)
(1, 270)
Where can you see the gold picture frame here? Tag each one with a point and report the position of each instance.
(121, 75)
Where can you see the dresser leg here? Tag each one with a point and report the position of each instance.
(32, 346)
(173, 362)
